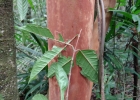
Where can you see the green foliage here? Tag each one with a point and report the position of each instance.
(136, 18)
(44, 60)
(31, 4)
(34, 88)
(119, 52)
(33, 55)
(88, 61)
(37, 30)
(30, 46)
(22, 6)
(62, 62)
(62, 67)
(1, 97)
(61, 38)
(62, 79)
(39, 97)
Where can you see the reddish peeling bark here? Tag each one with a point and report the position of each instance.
(108, 4)
(68, 17)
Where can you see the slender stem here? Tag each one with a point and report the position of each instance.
(66, 43)
(74, 51)
(101, 62)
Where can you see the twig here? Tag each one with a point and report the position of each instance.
(74, 51)
(66, 43)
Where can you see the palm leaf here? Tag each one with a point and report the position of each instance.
(22, 6)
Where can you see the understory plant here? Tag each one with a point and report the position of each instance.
(86, 59)
(33, 55)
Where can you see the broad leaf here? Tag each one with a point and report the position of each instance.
(37, 30)
(62, 79)
(52, 69)
(44, 60)
(61, 38)
(39, 97)
(88, 61)
(22, 6)
(62, 62)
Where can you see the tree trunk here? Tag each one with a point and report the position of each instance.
(138, 67)
(108, 4)
(8, 80)
(68, 17)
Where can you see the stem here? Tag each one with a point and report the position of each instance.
(74, 51)
(101, 61)
(66, 43)
(135, 61)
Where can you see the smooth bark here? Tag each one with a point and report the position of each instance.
(68, 17)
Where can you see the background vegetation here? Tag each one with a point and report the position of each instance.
(121, 50)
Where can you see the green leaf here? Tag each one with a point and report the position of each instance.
(138, 3)
(126, 14)
(40, 42)
(137, 11)
(25, 36)
(110, 97)
(1, 97)
(115, 61)
(61, 38)
(51, 70)
(31, 4)
(44, 60)
(62, 62)
(33, 89)
(37, 30)
(138, 27)
(135, 17)
(22, 6)
(130, 70)
(111, 33)
(39, 97)
(62, 79)
(88, 61)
